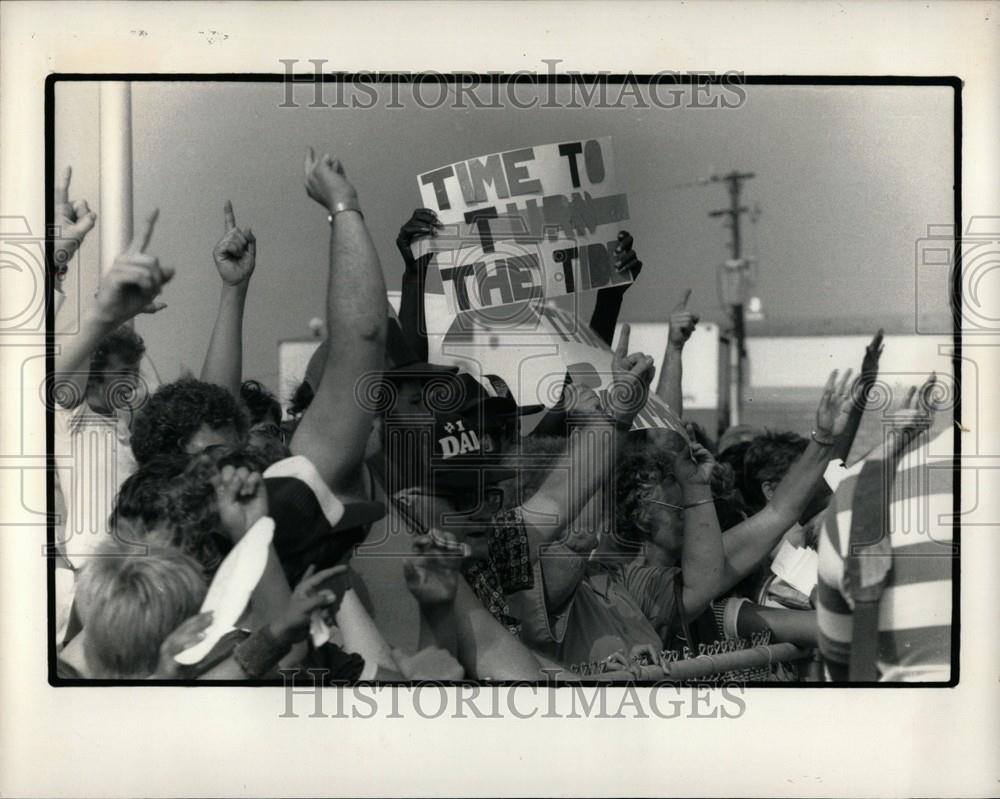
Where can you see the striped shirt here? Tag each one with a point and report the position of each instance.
(914, 642)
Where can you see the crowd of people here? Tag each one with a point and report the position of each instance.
(579, 547)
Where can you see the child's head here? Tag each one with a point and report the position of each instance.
(130, 604)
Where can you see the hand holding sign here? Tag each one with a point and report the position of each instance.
(625, 259)
(327, 183)
(423, 222)
(134, 281)
(236, 252)
(682, 323)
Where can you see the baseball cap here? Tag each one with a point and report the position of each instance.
(466, 449)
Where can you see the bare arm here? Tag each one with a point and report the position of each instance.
(787, 626)
(682, 324)
(362, 636)
(459, 621)
(749, 542)
(592, 445)
(128, 289)
(334, 431)
(423, 222)
(235, 258)
(702, 555)
(609, 300)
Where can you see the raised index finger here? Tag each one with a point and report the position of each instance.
(62, 187)
(230, 217)
(683, 304)
(622, 349)
(140, 241)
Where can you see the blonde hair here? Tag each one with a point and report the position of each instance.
(129, 604)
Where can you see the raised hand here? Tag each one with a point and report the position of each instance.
(423, 222)
(916, 415)
(682, 323)
(241, 498)
(834, 408)
(327, 183)
(74, 220)
(869, 366)
(292, 625)
(631, 376)
(190, 632)
(235, 253)
(134, 281)
(693, 465)
(433, 573)
(625, 257)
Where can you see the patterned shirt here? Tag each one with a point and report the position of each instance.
(507, 570)
(914, 640)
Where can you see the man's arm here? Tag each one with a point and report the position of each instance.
(335, 429)
(869, 374)
(682, 323)
(749, 542)
(592, 446)
(235, 257)
(130, 287)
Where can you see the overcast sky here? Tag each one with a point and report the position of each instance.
(847, 180)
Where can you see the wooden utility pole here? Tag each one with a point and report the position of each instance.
(734, 288)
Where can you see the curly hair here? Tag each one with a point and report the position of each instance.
(192, 510)
(175, 413)
(122, 342)
(259, 402)
(640, 467)
(144, 496)
(768, 458)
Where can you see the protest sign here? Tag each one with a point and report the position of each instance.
(525, 225)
